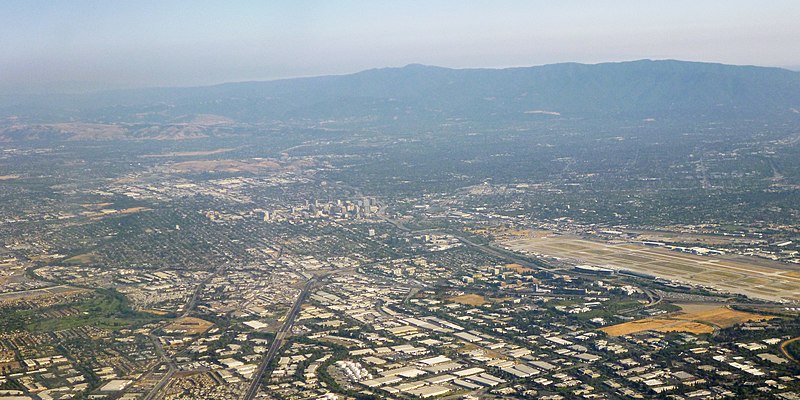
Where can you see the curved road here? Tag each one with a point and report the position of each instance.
(786, 352)
(172, 368)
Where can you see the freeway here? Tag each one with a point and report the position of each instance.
(499, 253)
(280, 336)
(199, 289)
(486, 249)
(167, 375)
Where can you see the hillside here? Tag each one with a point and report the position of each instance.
(628, 90)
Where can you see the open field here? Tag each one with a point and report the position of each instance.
(86, 258)
(691, 308)
(518, 268)
(133, 210)
(188, 153)
(61, 290)
(101, 308)
(771, 281)
(723, 317)
(682, 237)
(504, 233)
(154, 312)
(693, 319)
(189, 325)
(96, 206)
(469, 299)
(658, 325)
(252, 166)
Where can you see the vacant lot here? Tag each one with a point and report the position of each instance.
(701, 319)
(189, 326)
(133, 210)
(469, 299)
(658, 325)
(518, 268)
(86, 258)
(724, 317)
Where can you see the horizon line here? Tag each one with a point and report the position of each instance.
(10, 90)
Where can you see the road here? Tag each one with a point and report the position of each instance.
(167, 375)
(172, 368)
(785, 351)
(193, 300)
(486, 249)
(655, 298)
(503, 254)
(280, 336)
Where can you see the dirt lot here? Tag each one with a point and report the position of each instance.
(469, 299)
(189, 325)
(693, 319)
(658, 325)
(724, 317)
(518, 268)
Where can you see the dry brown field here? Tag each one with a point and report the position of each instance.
(518, 268)
(190, 325)
(154, 312)
(693, 319)
(469, 299)
(188, 153)
(724, 317)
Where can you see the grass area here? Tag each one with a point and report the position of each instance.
(608, 310)
(668, 307)
(469, 299)
(105, 309)
(86, 258)
(11, 385)
(793, 349)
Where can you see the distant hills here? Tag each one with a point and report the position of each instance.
(627, 90)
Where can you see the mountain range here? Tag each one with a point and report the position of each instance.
(665, 89)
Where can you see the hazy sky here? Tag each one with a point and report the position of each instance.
(165, 42)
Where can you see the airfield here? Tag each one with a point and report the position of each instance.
(763, 280)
